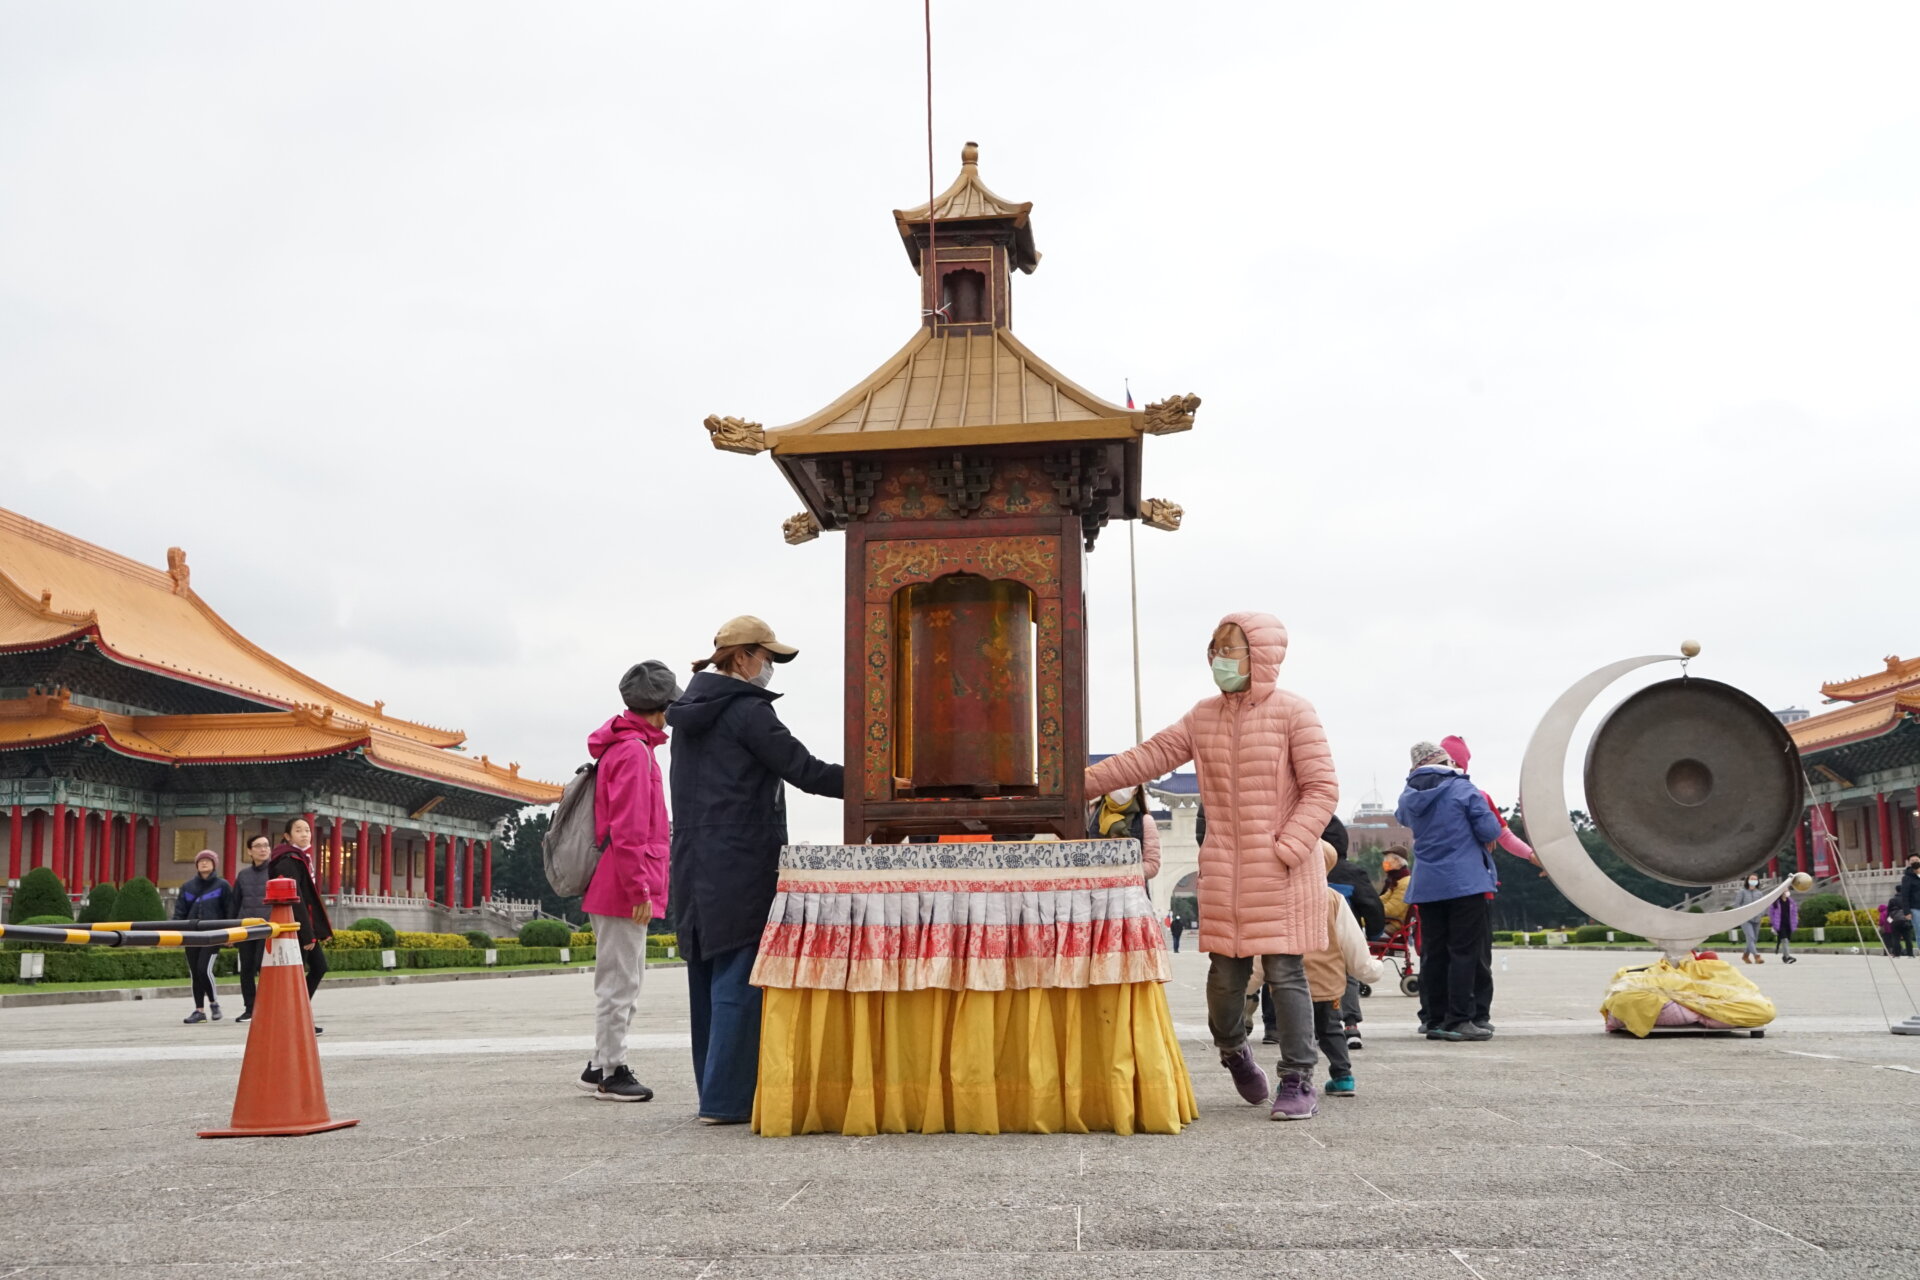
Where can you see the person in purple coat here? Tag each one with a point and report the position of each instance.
(1784, 916)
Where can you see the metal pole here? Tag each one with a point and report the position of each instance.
(1133, 589)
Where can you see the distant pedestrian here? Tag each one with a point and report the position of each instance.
(1750, 892)
(629, 887)
(1454, 834)
(1394, 870)
(732, 761)
(1784, 916)
(293, 860)
(1900, 909)
(205, 897)
(1178, 927)
(250, 886)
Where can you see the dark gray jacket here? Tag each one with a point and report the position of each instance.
(251, 886)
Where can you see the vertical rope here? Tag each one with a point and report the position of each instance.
(931, 271)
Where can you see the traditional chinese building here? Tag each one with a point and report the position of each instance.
(1862, 761)
(137, 728)
(970, 478)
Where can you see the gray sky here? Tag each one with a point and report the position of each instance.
(1530, 336)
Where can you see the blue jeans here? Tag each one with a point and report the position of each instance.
(726, 1032)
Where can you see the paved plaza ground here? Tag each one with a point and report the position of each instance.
(1551, 1151)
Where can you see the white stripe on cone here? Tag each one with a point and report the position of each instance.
(283, 951)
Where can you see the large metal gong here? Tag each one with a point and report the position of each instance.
(1694, 782)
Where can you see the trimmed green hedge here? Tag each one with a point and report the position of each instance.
(139, 900)
(374, 924)
(545, 933)
(40, 894)
(114, 964)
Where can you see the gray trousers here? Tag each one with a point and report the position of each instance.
(1286, 982)
(1752, 930)
(619, 962)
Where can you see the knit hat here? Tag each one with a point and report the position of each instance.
(206, 855)
(1456, 748)
(648, 687)
(1425, 753)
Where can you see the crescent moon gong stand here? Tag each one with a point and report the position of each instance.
(1685, 779)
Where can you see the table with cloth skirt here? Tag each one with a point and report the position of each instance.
(966, 988)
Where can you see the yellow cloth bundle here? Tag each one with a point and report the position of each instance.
(1710, 988)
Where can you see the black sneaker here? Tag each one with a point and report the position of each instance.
(1484, 1024)
(1353, 1038)
(198, 1015)
(620, 1086)
(590, 1078)
(246, 1015)
(1471, 1031)
(318, 1030)
(215, 1006)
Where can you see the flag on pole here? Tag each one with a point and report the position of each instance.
(1129, 387)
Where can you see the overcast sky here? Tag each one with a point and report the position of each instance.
(1530, 336)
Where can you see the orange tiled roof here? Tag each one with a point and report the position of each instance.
(1898, 674)
(256, 737)
(55, 588)
(1867, 719)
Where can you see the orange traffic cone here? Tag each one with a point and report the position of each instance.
(281, 1094)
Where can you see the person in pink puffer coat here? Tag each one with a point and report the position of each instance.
(1267, 784)
(628, 891)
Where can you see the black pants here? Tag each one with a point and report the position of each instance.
(1331, 1032)
(316, 962)
(1350, 1003)
(250, 957)
(1903, 937)
(200, 969)
(1456, 958)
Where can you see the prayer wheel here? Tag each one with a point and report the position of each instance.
(964, 719)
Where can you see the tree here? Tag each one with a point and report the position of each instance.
(1527, 899)
(139, 900)
(99, 905)
(40, 894)
(519, 872)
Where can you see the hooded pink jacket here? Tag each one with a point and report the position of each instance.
(629, 819)
(1268, 784)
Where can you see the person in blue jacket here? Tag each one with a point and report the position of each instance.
(204, 897)
(1454, 833)
(732, 759)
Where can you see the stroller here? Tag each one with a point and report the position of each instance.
(1401, 949)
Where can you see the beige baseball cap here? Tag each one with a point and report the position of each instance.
(747, 629)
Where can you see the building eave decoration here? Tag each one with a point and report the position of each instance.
(969, 200)
(1899, 673)
(1158, 513)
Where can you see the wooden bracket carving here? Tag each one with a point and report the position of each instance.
(1175, 413)
(1157, 513)
(800, 528)
(851, 492)
(1085, 485)
(736, 435)
(962, 480)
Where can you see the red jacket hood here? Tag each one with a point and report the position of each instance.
(623, 727)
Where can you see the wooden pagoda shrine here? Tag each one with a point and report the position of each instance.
(970, 478)
(137, 727)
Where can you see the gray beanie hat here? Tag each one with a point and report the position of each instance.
(1427, 753)
(648, 686)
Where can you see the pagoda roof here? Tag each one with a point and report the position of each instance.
(267, 737)
(1869, 718)
(56, 589)
(945, 388)
(970, 200)
(1898, 674)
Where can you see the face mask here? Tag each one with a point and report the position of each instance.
(764, 678)
(1226, 674)
(1119, 799)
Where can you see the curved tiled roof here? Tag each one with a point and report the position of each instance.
(55, 589)
(1898, 674)
(1854, 722)
(970, 200)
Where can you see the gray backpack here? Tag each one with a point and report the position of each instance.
(570, 853)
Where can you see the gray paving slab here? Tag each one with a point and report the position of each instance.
(1551, 1151)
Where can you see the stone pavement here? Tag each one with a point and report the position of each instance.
(1551, 1151)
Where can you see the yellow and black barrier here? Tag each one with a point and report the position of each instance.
(126, 936)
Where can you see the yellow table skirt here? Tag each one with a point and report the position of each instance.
(1042, 1060)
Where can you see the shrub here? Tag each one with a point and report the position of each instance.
(579, 940)
(139, 900)
(352, 940)
(673, 940)
(40, 894)
(1590, 933)
(477, 939)
(545, 933)
(1815, 906)
(1871, 919)
(430, 941)
(374, 924)
(99, 905)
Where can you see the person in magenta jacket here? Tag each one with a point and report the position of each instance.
(628, 891)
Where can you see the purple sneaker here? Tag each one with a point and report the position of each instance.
(1296, 1098)
(1248, 1078)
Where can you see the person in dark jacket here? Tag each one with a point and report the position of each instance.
(1454, 833)
(250, 886)
(205, 897)
(731, 760)
(1900, 909)
(1350, 880)
(293, 859)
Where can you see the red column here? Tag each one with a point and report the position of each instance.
(335, 851)
(466, 873)
(386, 862)
(77, 853)
(408, 855)
(363, 861)
(1884, 821)
(153, 848)
(230, 849)
(1800, 846)
(39, 840)
(430, 842)
(13, 844)
(60, 841)
(486, 872)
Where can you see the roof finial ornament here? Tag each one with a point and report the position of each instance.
(177, 569)
(970, 153)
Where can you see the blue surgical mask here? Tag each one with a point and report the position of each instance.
(1226, 674)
